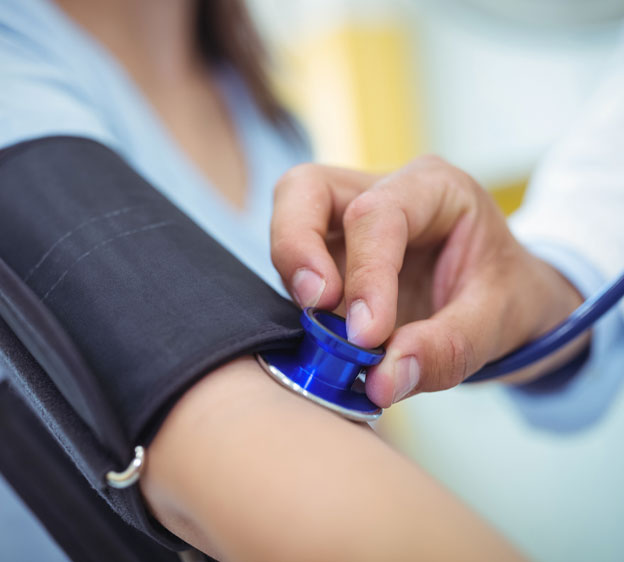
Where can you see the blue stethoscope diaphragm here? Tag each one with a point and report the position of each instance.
(326, 368)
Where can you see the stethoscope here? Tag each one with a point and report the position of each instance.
(328, 369)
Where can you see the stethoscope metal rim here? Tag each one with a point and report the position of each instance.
(293, 386)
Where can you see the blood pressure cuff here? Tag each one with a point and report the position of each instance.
(114, 303)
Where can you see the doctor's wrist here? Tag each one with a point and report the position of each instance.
(554, 298)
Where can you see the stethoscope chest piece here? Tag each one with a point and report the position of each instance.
(325, 368)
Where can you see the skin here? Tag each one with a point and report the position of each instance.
(245, 470)
(421, 259)
(241, 468)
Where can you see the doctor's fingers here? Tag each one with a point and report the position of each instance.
(308, 205)
(440, 352)
(417, 206)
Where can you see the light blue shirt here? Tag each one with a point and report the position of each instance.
(56, 80)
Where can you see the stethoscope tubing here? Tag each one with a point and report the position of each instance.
(583, 318)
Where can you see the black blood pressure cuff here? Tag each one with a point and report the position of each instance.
(114, 303)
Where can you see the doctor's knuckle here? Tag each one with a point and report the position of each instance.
(363, 206)
(365, 272)
(283, 247)
(460, 356)
(302, 177)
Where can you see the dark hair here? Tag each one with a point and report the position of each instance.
(226, 33)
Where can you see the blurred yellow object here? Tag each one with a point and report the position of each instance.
(355, 87)
(509, 196)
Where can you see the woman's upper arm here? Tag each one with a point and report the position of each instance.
(245, 470)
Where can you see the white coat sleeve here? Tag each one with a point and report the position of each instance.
(573, 218)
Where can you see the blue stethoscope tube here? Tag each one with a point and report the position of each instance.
(325, 367)
(574, 325)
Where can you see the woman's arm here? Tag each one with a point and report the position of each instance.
(245, 470)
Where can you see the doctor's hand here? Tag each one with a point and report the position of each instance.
(421, 259)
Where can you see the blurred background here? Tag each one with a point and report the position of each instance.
(489, 85)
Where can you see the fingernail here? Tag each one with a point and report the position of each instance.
(406, 377)
(307, 287)
(358, 318)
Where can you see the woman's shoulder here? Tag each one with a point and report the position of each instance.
(49, 74)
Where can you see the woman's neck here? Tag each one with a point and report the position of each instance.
(155, 41)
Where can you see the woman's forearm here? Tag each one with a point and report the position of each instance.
(245, 470)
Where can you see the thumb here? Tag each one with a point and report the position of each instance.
(440, 352)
